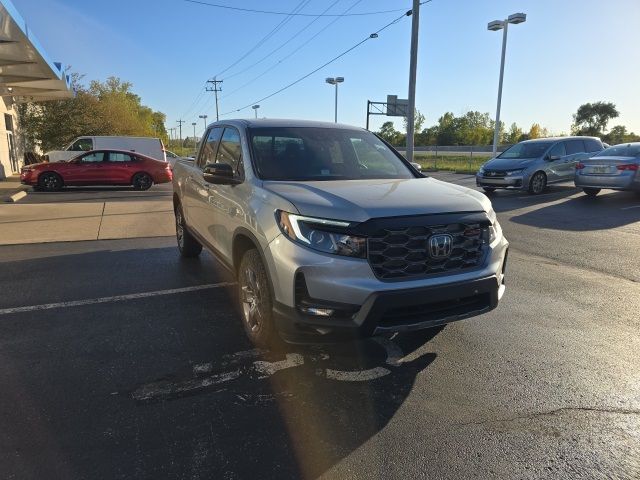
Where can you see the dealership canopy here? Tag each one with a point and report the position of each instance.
(26, 72)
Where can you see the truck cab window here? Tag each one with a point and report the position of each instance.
(210, 147)
(81, 145)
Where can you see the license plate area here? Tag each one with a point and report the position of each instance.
(601, 170)
(495, 181)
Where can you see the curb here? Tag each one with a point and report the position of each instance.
(15, 197)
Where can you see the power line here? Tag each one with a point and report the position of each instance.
(290, 54)
(300, 6)
(250, 10)
(371, 36)
(283, 44)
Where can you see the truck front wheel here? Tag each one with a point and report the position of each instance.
(255, 300)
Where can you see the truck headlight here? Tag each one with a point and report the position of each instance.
(495, 230)
(322, 234)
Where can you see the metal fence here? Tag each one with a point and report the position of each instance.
(470, 150)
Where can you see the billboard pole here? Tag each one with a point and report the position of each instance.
(413, 65)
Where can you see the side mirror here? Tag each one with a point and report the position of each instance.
(219, 173)
(553, 158)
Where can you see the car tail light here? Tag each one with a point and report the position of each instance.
(579, 166)
(628, 166)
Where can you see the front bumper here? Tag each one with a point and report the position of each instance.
(366, 306)
(28, 177)
(500, 182)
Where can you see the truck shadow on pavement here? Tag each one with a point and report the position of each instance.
(168, 386)
(291, 414)
(583, 213)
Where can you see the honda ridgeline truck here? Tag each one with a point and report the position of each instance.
(330, 232)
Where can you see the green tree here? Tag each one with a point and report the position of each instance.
(514, 134)
(592, 118)
(389, 133)
(105, 108)
(619, 134)
(418, 121)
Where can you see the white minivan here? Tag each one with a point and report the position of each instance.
(149, 146)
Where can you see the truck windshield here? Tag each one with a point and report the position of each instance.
(526, 150)
(310, 153)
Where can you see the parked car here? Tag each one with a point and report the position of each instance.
(533, 164)
(331, 232)
(98, 167)
(151, 147)
(615, 168)
(172, 158)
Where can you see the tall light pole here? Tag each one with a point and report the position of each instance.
(494, 27)
(413, 68)
(255, 109)
(335, 81)
(204, 120)
(194, 134)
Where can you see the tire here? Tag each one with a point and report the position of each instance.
(538, 183)
(50, 182)
(592, 192)
(142, 181)
(254, 296)
(189, 247)
(488, 190)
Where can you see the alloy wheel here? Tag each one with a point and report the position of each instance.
(251, 297)
(179, 229)
(538, 183)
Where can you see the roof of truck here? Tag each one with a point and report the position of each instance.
(284, 122)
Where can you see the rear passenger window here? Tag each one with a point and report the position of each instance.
(208, 150)
(119, 157)
(592, 145)
(574, 146)
(230, 151)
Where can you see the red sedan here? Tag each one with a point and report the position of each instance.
(98, 167)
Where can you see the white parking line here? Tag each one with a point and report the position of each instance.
(115, 298)
(629, 208)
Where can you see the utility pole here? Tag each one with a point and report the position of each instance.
(413, 67)
(194, 134)
(215, 91)
(180, 122)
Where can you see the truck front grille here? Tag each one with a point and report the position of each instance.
(396, 253)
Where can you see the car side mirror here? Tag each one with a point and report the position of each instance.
(553, 158)
(219, 173)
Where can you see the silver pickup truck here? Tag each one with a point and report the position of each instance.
(331, 233)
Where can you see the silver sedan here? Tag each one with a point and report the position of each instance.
(615, 168)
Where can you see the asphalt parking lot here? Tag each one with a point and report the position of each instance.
(119, 360)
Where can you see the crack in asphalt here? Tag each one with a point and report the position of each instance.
(618, 411)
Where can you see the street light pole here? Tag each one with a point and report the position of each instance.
(194, 134)
(495, 26)
(204, 120)
(413, 68)
(255, 109)
(335, 81)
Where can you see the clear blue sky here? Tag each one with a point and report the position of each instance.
(567, 53)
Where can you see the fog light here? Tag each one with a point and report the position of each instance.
(318, 312)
